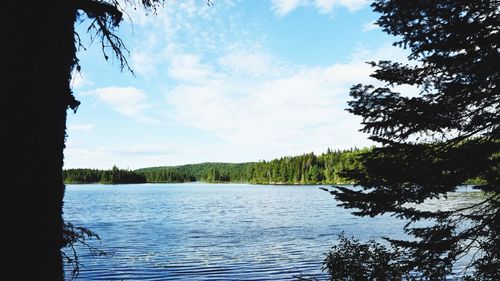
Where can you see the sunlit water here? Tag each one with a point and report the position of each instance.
(212, 231)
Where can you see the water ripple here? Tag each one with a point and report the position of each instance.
(211, 232)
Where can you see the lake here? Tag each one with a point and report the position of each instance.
(200, 231)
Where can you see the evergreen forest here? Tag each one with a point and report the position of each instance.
(303, 169)
(113, 176)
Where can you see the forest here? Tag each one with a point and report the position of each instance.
(303, 169)
(113, 176)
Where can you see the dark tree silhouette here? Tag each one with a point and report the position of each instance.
(38, 59)
(353, 260)
(436, 141)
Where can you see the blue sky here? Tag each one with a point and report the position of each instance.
(238, 81)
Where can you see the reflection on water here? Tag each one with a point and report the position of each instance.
(212, 232)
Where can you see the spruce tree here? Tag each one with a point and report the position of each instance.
(432, 143)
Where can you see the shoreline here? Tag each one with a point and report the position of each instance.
(202, 182)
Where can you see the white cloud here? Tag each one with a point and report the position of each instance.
(296, 111)
(128, 101)
(351, 5)
(165, 41)
(283, 7)
(248, 103)
(265, 113)
(143, 63)
(132, 156)
(327, 6)
(388, 53)
(78, 80)
(188, 67)
(80, 127)
(253, 63)
(369, 26)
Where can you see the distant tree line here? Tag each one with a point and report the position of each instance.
(206, 172)
(326, 168)
(304, 169)
(112, 176)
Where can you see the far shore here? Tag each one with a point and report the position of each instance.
(202, 182)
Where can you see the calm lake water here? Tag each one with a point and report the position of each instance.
(212, 231)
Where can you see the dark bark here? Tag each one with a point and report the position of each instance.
(38, 60)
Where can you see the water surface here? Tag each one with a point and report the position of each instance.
(212, 231)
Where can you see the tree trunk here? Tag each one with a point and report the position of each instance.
(39, 57)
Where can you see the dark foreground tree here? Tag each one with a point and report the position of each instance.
(353, 260)
(436, 141)
(38, 57)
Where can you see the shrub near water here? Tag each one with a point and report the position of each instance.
(353, 260)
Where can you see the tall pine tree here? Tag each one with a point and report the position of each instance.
(436, 141)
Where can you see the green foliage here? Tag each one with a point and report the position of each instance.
(307, 168)
(353, 260)
(331, 167)
(431, 143)
(166, 175)
(304, 169)
(113, 176)
(207, 172)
